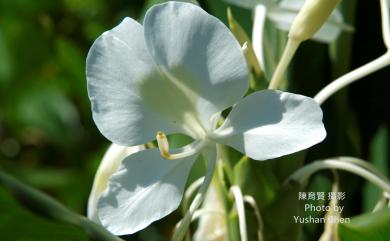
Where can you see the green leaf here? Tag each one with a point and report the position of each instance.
(371, 226)
(378, 157)
(286, 165)
(56, 119)
(44, 205)
(6, 65)
(16, 223)
(256, 179)
(72, 60)
(278, 216)
(233, 226)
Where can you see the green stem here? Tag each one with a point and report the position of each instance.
(47, 206)
(288, 54)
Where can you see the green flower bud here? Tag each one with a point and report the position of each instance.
(310, 19)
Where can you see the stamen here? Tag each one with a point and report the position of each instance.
(251, 201)
(163, 144)
(186, 151)
(239, 203)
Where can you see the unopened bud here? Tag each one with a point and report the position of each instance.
(310, 19)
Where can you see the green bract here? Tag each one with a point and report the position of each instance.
(176, 74)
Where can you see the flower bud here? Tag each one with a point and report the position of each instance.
(310, 19)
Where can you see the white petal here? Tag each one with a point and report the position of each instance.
(109, 164)
(199, 54)
(145, 189)
(269, 124)
(130, 100)
(284, 14)
(258, 33)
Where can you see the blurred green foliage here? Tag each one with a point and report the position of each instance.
(48, 138)
(32, 227)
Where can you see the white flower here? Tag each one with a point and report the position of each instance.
(176, 74)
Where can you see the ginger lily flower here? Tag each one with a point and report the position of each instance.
(176, 74)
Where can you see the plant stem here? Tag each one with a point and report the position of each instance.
(288, 53)
(47, 206)
(305, 172)
(352, 76)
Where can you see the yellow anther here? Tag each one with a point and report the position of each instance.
(179, 153)
(163, 145)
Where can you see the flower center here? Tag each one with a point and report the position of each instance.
(186, 151)
(194, 126)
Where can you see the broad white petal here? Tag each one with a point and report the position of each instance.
(269, 124)
(109, 164)
(199, 55)
(284, 14)
(130, 100)
(145, 189)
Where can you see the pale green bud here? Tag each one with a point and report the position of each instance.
(310, 19)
